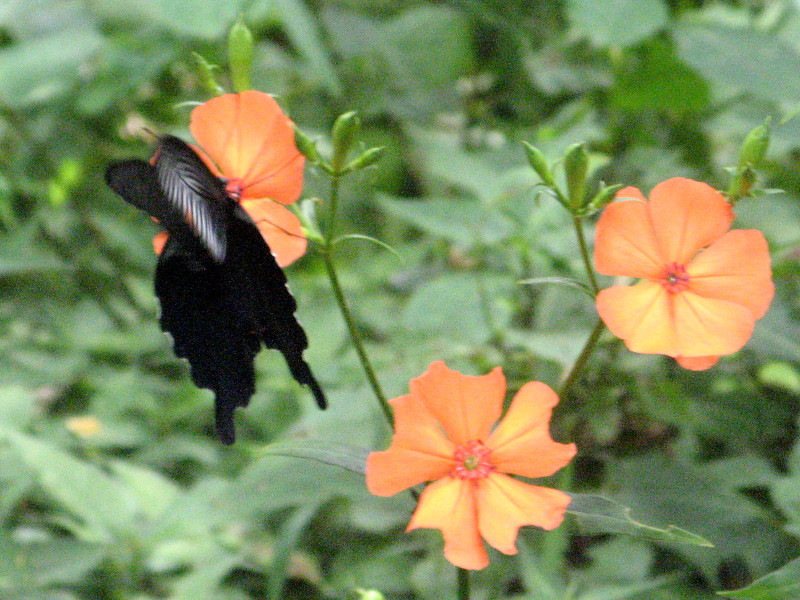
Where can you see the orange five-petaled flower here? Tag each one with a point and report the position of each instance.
(702, 287)
(247, 140)
(443, 433)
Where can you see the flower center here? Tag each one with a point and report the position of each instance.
(472, 461)
(674, 278)
(234, 187)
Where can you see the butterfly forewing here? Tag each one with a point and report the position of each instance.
(193, 190)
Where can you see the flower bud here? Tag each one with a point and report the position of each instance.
(368, 158)
(576, 163)
(240, 55)
(345, 131)
(605, 196)
(539, 164)
(306, 146)
(205, 73)
(754, 146)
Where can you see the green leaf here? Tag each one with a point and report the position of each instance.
(653, 78)
(103, 505)
(783, 584)
(601, 514)
(619, 23)
(35, 70)
(466, 222)
(352, 458)
(303, 30)
(741, 61)
(285, 542)
(564, 281)
(207, 19)
(38, 564)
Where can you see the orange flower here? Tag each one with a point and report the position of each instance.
(246, 139)
(702, 287)
(443, 433)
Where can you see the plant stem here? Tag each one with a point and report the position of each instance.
(587, 261)
(583, 358)
(463, 584)
(330, 267)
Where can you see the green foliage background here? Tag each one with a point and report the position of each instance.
(150, 506)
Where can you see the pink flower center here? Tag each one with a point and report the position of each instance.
(674, 278)
(234, 187)
(472, 461)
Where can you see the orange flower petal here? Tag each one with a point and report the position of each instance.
(708, 326)
(735, 268)
(687, 215)
(630, 192)
(279, 227)
(625, 243)
(419, 451)
(449, 505)
(521, 443)
(159, 241)
(641, 315)
(466, 406)
(250, 139)
(505, 504)
(697, 363)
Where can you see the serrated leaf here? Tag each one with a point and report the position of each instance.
(602, 514)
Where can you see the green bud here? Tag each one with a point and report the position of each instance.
(307, 213)
(205, 73)
(754, 146)
(604, 197)
(306, 146)
(576, 164)
(368, 158)
(539, 164)
(345, 131)
(240, 55)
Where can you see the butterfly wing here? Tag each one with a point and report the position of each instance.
(209, 328)
(253, 269)
(195, 193)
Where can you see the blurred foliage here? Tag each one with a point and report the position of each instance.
(112, 484)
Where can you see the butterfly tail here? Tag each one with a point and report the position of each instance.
(224, 421)
(302, 373)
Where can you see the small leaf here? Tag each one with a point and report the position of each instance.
(358, 236)
(605, 515)
(565, 281)
(285, 543)
(351, 458)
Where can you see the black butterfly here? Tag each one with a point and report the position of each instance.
(222, 294)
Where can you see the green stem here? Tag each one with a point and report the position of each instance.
(330, 267)
(463, 584)
(583, 358)
(587, 261)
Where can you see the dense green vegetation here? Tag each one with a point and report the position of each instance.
(112, 483)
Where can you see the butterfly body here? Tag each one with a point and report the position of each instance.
(221, 292)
